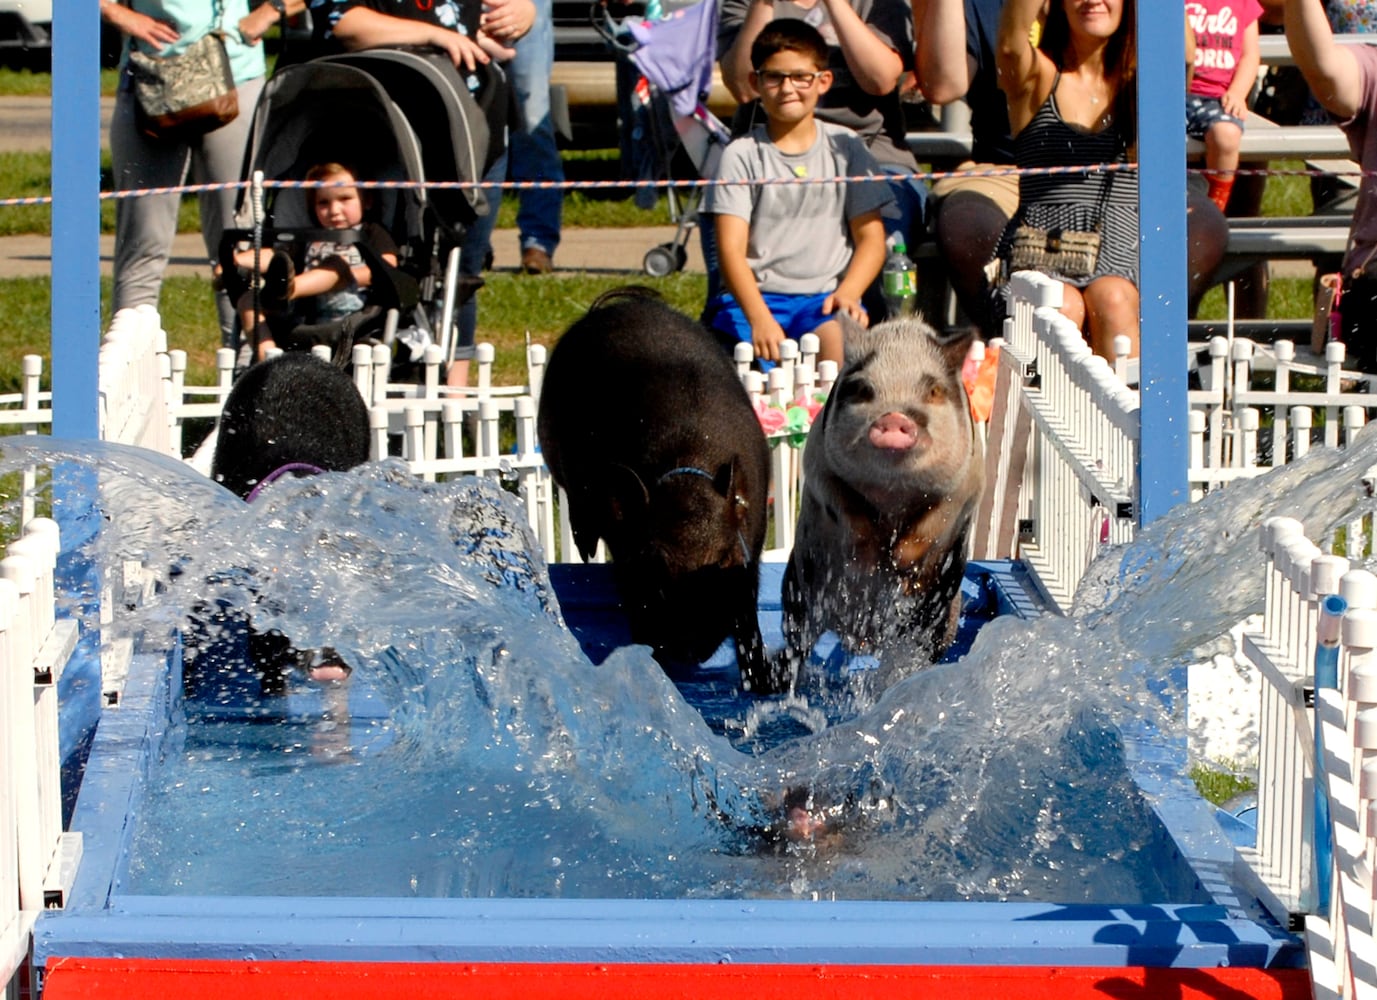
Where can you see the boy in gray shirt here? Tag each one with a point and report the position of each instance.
(793, 255)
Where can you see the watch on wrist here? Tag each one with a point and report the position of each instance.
(280, 6)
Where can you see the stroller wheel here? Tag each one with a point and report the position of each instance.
(664, 259)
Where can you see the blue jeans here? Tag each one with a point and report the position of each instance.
(532, 153)
(908, 213)
(471, 255)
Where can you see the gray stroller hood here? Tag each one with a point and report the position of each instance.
(392, 115)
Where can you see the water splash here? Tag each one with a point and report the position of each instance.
(507, 764)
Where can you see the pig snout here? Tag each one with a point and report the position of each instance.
(895, 432)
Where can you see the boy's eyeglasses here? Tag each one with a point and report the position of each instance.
(774, 79)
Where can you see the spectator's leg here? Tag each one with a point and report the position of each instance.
(830, 343)
(532, 154)
(1222, 140)
(1250, 286)
(707, 239)
(1111, 310)
(908, 214)
(1207, 239)
(1073, 304)
(969, 225)
(471, 255)
(218, 158)
(144, 227)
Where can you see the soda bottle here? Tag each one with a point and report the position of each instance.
(899, 279)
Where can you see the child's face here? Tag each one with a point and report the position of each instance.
(338, 207)
(787, 94)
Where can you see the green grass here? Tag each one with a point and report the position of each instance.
(1287, 298)
(28, 83)
(29, 175)
(1217, 785)
(509, 307)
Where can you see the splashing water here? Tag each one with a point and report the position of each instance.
(505, 763)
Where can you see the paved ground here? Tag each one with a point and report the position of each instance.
(608, 251)
(26, 123)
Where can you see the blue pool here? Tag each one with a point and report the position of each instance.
(493, 783)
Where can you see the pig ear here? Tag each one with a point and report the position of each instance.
(722, 481)
(954, 350)
(628, 494)
(855, 338)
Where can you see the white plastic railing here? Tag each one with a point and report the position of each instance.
(25, 412)
(37, 859)
(1314, 858)
(1078, 423)
(1260, 408)
(442, 431)
(133, 392)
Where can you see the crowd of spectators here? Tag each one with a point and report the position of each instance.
(1049, 83)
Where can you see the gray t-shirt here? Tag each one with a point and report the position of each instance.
(1362, 140)
(878, 120)
(800, 242)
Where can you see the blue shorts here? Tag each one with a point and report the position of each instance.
(1202, 112)
(796, 315)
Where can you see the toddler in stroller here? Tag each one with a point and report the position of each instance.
(406, 122)
(329, 301)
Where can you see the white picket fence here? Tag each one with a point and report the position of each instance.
(1063, 442)
(37, 859)
(1063, 473)
(1232, 408)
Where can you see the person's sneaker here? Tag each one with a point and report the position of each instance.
(277, 280)
(536, 261)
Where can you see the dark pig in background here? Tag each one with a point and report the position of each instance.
(293, 414)
(647, 428)
(893, 473)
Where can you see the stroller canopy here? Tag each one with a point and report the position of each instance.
(392, 115)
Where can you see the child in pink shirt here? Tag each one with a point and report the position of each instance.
(1226, 65)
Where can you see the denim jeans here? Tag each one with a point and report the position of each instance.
(471, 255)
(532, 154)
(908, 213)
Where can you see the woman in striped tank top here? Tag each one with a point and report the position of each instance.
(1071, 103)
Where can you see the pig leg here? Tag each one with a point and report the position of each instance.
(799, 633)
(758, 674)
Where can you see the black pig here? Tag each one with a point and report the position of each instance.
(647, 428)
(290, 415)
(294, 409)
(893, 474)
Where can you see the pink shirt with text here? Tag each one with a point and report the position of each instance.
(1219, 26)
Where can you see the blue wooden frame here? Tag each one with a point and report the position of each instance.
(1163, 457)
(75, 342)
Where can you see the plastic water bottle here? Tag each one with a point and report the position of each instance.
(899, 279)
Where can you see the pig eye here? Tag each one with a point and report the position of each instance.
(937, 393)
(855, 390)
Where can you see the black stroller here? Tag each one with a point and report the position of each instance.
(674, 56)
(395, 115)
